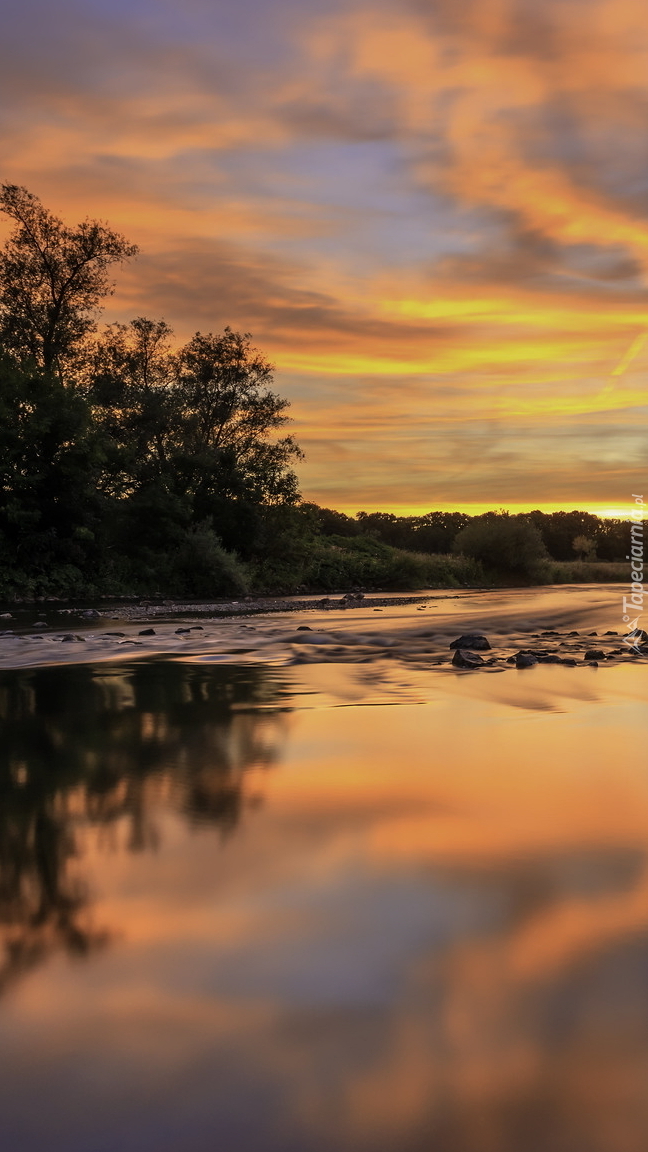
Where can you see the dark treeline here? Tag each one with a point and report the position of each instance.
(565, 535)
(130, 467)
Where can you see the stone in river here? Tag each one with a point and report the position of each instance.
(147, 632)
(179, 631)
(304, 628)
(473, 640)
(525, 660)
(70, 637)
(464, 659)
(639, 636)
(594, 654)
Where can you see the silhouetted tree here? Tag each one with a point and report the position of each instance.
(52, 279)
(505, 544)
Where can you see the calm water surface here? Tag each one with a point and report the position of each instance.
(238, 916)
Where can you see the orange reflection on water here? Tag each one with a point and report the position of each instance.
(428, 930)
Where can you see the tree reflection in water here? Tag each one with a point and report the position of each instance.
(83, 745)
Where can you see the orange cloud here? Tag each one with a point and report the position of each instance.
(396, 197)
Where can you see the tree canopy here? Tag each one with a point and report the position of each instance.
(122, 454)
(53, 279)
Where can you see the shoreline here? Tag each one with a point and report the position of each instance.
(558, 625)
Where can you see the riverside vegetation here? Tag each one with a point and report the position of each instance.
(129, 467)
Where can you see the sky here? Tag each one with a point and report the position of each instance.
(431, 217)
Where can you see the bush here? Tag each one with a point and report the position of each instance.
(587, 572)
(201, 567)
(506, 545)
(338, 564)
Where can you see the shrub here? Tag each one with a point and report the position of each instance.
(507, 545)
(201, 567)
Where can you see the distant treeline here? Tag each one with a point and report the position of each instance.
(437, 531)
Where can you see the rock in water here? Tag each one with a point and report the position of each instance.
(471, 640)
(525, 660)
(464, 659)
(594, 654)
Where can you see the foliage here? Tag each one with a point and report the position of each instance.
(586, 572)
(432, 532)
(505, 544)
(50, 509)
(340, 563)
(53, 278)
(584, 548)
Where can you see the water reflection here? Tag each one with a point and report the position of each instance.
(432, 935)
(83, 746)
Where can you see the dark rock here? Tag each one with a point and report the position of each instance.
(610, 633)
(179, 631)
(113, 633)
(569, 663)
(550, 633)
(147, 632)
(471, 640)
(304, 628)
(637, 637)
(70, 637)
(593, 664)
(594, 654)
(196, 628)
(573, 633)
(464, 659)
(525, 660)
(550, 658)
(592, 633)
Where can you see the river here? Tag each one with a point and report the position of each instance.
(295, 883)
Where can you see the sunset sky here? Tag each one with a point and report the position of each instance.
(431, 216)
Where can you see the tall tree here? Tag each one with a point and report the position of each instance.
(129, 381)
(52, 279)
(230, 417)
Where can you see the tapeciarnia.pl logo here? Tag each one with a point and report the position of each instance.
(636, 557)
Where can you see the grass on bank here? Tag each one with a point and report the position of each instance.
(200, 567)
